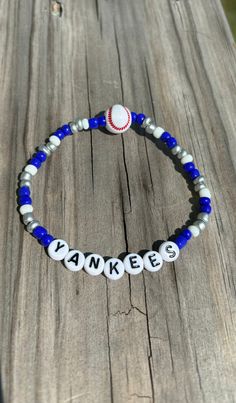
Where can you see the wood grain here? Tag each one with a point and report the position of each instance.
(161, 337)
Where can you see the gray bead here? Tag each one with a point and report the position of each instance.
(51, 147)
(199, 186)
(25, 183)
(32, 225)
(79, 124)
(44, 148)
(25, 176)
(203, 217)
(182, 153)
(199, 179)
(176, 150)
(73, 127)
(150, 129)
(147, 121)
(27, 218)
(200, 224)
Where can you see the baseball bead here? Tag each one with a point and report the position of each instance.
(118, 119)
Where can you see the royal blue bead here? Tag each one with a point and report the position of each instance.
(59, 133)
(165, 136)
(194, 174)
(204, 201)
(205, 209)
(39, 232)
(171, 142)
(93, 123)
(181, 241)
(66, 130)
(24, 200)
(41, 156)
(24, 191)
(186, 234)
(35, 162)
(46, 240)
(140, 118)
(102, 121)
(134, 116)
(189, 166)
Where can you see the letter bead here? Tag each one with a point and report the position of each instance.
(74, 260)
(133, 263)
(169, 251)
(152, 261)
(94, 264)
(114, 269)
(58, 249)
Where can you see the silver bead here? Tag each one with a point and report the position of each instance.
(27, 218)
(199, 179)
(25, 176)
(44, 148)
(73, 127)
(32, 225)
(51, 147)
(182, 153)
(150, 129)
(199, 187)
(25, 183)
(200, 224)
(147, 121)
(176, 150)
(203, 217)
(79, 124)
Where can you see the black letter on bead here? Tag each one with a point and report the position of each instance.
(94, 262)
(113, 267)
(59, 246)
(170, 251)
(74, 258)
(153, 260)
(133, 260)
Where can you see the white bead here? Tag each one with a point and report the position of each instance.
(205, 193)
(158, 132)
(169, 251)
(187, 158)
(58, 249)
(31, 169)
(26, 208)
(114, 269)
(195, 231)
(118, 119)
(94, 264)
(152, 261)
(55, 140)
(133, 263)
(74, 260)
(85, 123)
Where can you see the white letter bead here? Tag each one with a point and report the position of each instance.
(133, 263)
(94, 264)
(26, 208)
(205, 193)
(195, 231)
(152, 261)
(114, 269)
(31, 169)
(55, 140)
(74, 260)
(58, 249)
(85, 123)
(187, 158)
(158, 132)
(169, 251)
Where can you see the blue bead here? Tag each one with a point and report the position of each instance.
(165, 136)
(60, 134)
(194, 174)
(181, 241)
(35, 162)
(46, 240)
(102, 121)
(66, 130)
(134, 116)
(93, 123)
(140, 118)
(205, 209)
(171, 142)
(41, 156)
(186, 234)
(204, 201)
(39, 232)
(24, 191)
(189, 166)
(24, 200)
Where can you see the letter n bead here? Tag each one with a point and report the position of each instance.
(94, 264)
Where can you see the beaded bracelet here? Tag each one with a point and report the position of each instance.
(117, 119)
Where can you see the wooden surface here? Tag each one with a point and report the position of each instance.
(161, 337)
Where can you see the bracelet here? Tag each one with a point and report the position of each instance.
(117, 119)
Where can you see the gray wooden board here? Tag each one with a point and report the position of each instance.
(161, 337)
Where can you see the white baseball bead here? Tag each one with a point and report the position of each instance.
(74, 260)
(58, 249)
(94, 264)
(85, 123)
(31, 169)
(118, 119)
(169, 251)
(205, 193)
(26, 208)
(195, 231)
(152, 261)
(55, 140)
(114, 269)
(187, 158)
(158, 132)
(133, 263)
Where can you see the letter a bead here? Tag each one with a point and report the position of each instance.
(169, 251)
(58, 249)
(152, 261)
(94, 264)
(114, 269)
(74, 260)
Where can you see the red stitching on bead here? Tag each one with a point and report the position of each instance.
(113, 125)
